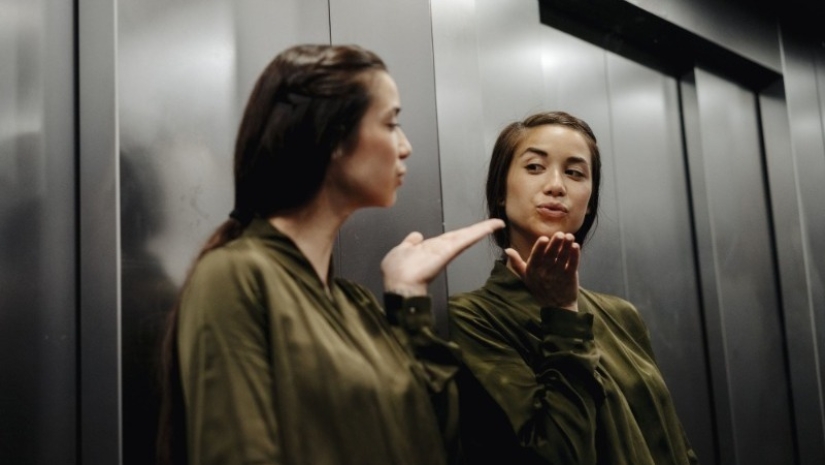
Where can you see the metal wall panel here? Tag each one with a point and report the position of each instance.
(804, 79)
(727, 176)
(463, 153)
(800, 324)
(713, 334)
(656, 239)
(185, 70)
(99, 241)
(38, 297)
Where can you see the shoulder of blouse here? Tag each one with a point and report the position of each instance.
(618, 308)
(609, 303)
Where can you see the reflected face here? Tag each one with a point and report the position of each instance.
(549, 184)
(370, 173)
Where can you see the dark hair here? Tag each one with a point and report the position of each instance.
(306, 104)
(502, 157)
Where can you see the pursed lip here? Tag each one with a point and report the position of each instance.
(552, 209)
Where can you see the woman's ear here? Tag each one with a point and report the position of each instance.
(337, 153)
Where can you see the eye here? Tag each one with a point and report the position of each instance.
(534, 168)
(393, 125)
(576, 173)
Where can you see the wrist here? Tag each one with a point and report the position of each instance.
(405, 290)
(562, 322)
(569, 306)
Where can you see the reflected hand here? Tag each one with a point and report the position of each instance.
(551, 272)
(413, 263)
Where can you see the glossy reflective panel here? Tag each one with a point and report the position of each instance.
(37, 233)
(743, 258)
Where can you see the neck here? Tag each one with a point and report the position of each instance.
(313, 228)
(522, 247)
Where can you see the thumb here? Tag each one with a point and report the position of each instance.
(413, 238)
(516, 263)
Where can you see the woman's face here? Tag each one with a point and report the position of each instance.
(549, 183)
(369, 174)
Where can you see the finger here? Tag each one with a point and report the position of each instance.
(556, 247)
(473, 233)
(574, 257)
(515, 261)
(540, 250)
(565, 248)
(459, 240)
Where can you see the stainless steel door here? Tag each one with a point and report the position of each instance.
(738, 271)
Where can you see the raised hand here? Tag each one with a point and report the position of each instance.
(551, 272)
(416, 261)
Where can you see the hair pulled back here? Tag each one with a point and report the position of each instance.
(306, 104)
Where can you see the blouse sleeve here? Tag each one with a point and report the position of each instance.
(552, 402)
(224, 367)
(435, 360)
(412, 321)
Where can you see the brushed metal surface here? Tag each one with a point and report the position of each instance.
(656, 239)
(38, 273)
(742, 255)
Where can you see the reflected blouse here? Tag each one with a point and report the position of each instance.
(551, 386)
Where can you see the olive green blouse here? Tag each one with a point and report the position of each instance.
(547, 385)
(275, 370)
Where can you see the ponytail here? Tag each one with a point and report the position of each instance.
(171, 441)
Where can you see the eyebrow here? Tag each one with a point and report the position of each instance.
(535, 151)
(540, 152)
(394, 111)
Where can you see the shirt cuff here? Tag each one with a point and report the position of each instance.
(411, 313)
(566, 323)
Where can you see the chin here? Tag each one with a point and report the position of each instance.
(386, 202)
(548, 232)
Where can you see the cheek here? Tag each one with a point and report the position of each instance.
(520, 192)
(586, 198)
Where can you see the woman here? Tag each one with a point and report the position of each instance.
(270, 358)
(555, 373)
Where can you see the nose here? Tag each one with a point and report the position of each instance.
(404, 146)
(554, 183)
